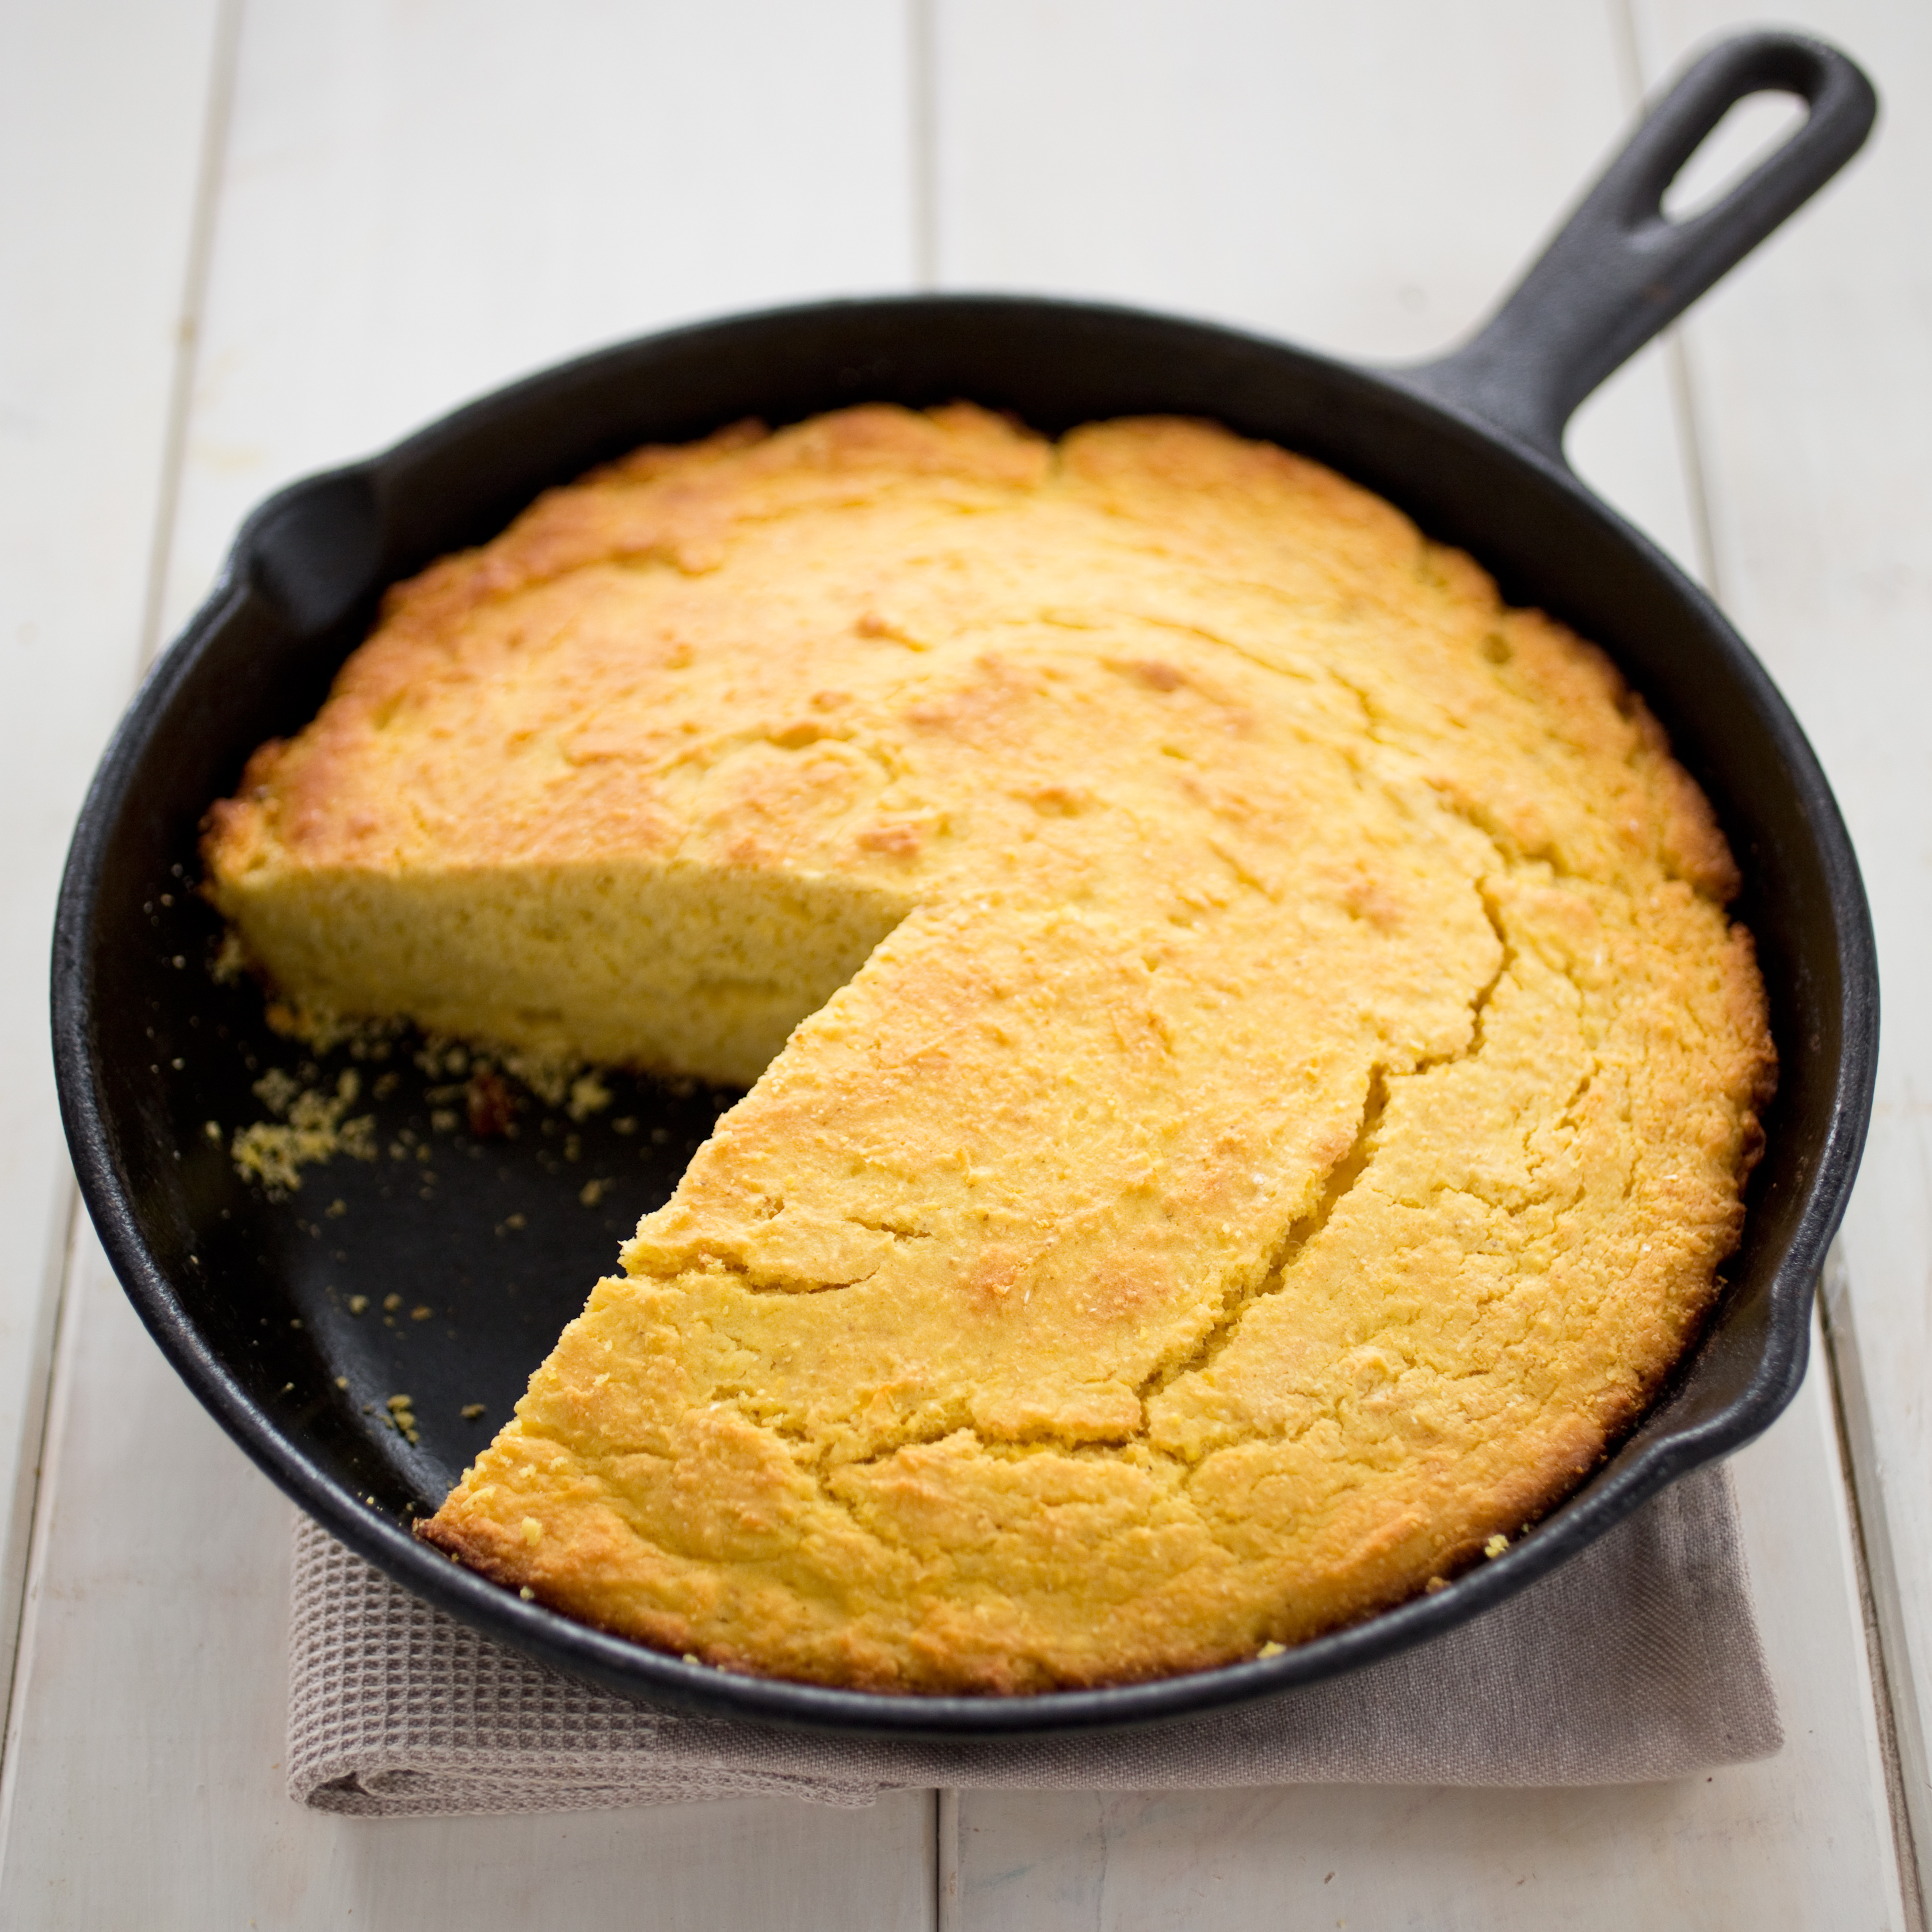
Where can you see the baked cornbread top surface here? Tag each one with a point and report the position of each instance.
(1291, 1122)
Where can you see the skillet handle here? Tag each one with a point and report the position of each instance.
(1620, 269)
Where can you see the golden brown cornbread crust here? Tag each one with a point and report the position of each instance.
(1269, 1108)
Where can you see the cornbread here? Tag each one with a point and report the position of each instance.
(1253, 1076)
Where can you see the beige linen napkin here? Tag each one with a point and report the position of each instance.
(1638, 1660)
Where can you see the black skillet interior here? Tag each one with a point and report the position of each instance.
(468, 1254)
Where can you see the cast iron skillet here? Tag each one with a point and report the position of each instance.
(250, 1298)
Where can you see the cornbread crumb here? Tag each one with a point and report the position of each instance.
(546, 1070)
(358, 1303)
(1272, 1649)
(439, 1053)
(402, 1416)
(275, 1152)
(276, 1090)
(390, 1303)
(1496, 1545)
(422, 1313)
(588, 1095)
(472, 1411)
(230, 961)
(592, 1192)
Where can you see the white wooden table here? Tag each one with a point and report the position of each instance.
(242, 238)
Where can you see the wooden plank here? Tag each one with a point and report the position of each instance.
(1792, 1843)
(1364, 180)
(421, 202)
(102, 106)
(416, 201)
(1814, 394)
(149, 1736)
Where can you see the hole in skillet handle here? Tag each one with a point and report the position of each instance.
(1621, 269)
(1747, 137)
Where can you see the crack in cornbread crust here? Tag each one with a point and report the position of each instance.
(1289, 1122)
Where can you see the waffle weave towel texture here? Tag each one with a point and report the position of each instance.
(1638, 1660)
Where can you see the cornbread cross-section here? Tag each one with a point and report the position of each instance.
(1254, 1078)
